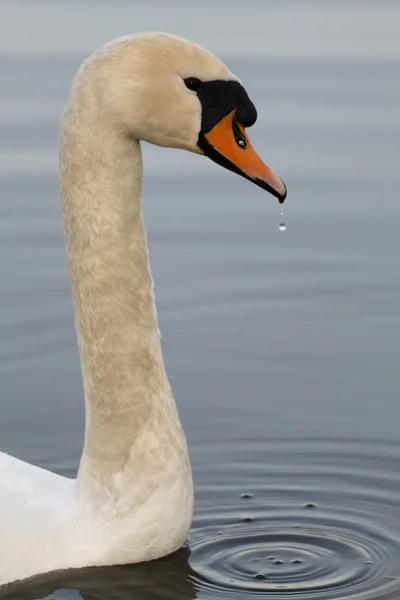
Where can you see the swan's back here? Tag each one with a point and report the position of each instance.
(30, 503)
(21, 481)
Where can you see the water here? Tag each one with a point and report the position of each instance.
(283, 349)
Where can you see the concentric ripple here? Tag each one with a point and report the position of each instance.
(320, 520)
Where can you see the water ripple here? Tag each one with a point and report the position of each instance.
(319, 519)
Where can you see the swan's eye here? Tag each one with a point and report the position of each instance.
(192, 83)
(239, 137)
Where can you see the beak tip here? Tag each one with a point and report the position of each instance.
(283, 194)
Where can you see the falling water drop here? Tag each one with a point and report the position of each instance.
(282, 225)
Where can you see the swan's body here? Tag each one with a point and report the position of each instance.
(132, 499)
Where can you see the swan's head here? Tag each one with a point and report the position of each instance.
(171, 92)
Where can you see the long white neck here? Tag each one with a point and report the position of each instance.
(132, 426)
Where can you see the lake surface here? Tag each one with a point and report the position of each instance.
(282, 347)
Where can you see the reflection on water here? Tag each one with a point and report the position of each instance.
(169, 578)
(282, 349)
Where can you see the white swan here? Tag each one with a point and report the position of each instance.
(132, 499)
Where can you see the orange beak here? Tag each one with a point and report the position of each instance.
(228, 145)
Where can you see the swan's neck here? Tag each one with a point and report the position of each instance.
(131, 418)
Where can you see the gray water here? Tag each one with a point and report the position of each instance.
(282, 347)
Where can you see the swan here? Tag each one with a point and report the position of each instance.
(132, 499)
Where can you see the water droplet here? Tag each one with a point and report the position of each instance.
(309, 505)
(277, 562)
(271, 557)
(246, 495)
(260, 576)
(247, 519)
(282, 226)
(297, 561)
(369, 562)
